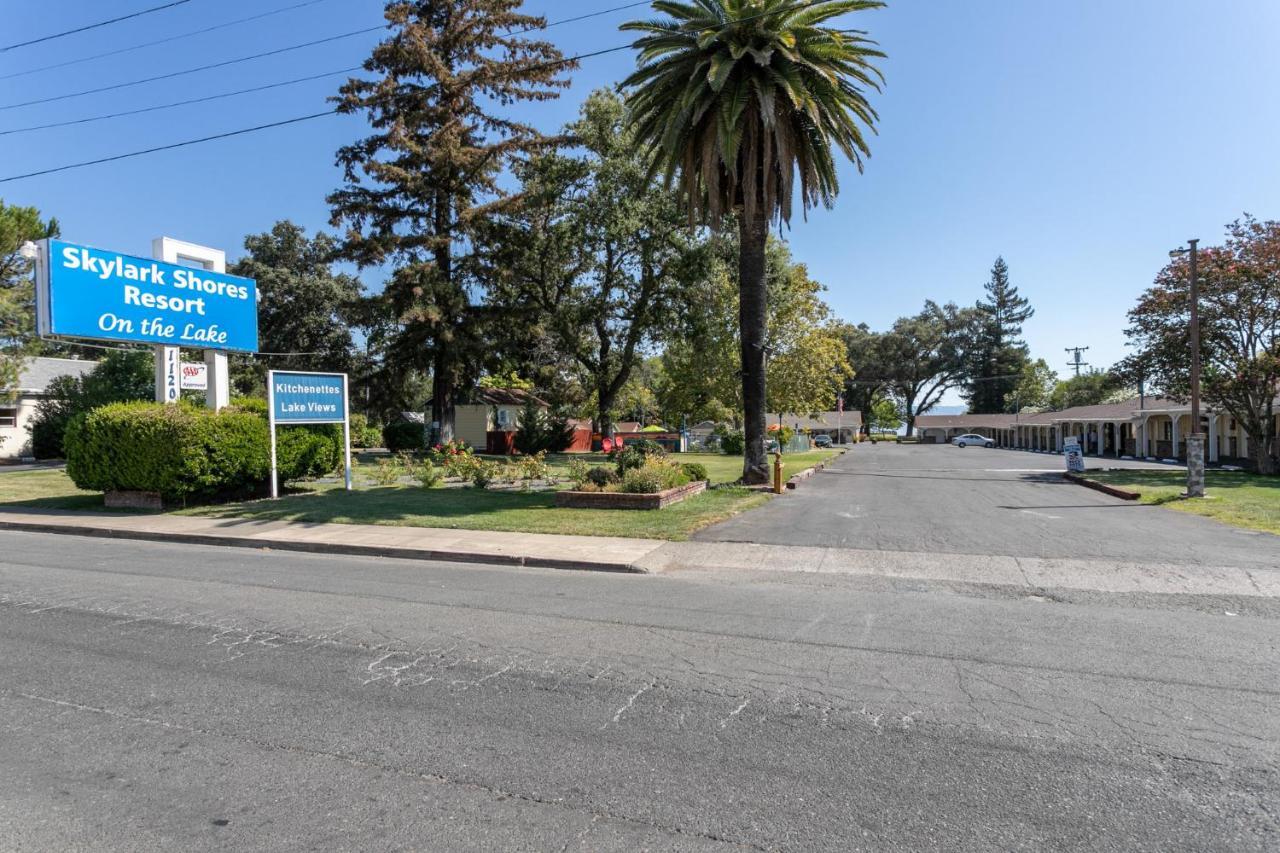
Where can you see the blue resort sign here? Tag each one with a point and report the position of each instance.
(90, 293)
(308, 398)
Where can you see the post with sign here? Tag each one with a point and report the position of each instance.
(307, 398)
(1074, 455)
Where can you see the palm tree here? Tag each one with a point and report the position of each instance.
(738, 98)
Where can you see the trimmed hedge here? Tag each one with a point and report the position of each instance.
(178, 451)
(181, 451)
(404, 435)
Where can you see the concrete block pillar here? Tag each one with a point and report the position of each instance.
(1195, 465)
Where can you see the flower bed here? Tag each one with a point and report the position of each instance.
(629, 500)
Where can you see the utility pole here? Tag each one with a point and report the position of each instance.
(1195, 441)
(1076, 361)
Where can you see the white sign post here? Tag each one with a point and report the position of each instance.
(295, 397)
(218, 386)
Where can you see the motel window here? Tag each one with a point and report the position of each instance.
(1168, 430)
(8, 416)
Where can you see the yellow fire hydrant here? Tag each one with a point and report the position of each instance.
(777, 472)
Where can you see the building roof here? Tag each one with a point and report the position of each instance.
(1123, 411)
(38, 372)
(818, 420)
(965, 421)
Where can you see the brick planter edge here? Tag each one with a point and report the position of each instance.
(621, 500)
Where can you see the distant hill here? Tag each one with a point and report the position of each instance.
(948, 410)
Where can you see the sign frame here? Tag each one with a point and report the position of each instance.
(272, 423)
(45, 304)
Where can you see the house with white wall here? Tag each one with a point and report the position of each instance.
(18, 405)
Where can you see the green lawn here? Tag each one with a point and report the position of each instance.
(49, 489)
(473, 509)
(469, 509)
(1232, 497)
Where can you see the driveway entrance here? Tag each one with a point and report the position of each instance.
(944, 499)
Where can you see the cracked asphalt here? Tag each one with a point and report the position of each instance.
(951, 500)
(162, 697)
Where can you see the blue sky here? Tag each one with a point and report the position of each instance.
(1081, 140)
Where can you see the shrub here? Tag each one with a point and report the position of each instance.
(695, 471)
(732, 443)
(121, 376)
(387, 472)
(453, 447)
(483, 473)
(539, 432)
(601, 477)
(428, 475)
(404, 435)
(303, 451)
(579, 473)
(460, 465)
(364, 434)
(634, 455)
(178, 451)
(534, 467)
(655, 475)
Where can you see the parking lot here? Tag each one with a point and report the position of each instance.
(946, 499)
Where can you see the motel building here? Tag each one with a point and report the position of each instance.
(1154, 428)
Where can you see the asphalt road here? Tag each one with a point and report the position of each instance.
(945, 499)
(160, 697)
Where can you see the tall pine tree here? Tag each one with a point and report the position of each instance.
(415, 187)
(999, 354)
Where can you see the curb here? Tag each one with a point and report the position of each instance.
(1123, 494)
(519, 561)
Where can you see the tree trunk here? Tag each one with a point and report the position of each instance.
(752, 298)
(604, 415)
(442, 401)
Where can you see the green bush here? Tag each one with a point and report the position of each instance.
(695, 471)
(428, 475)
(601, 477)
(634, 455)
(364, 434)
(732, 443)
(404, 435)
(120, 377)
(178, 451)
(655, 475)
(303, 451)
(539, 432)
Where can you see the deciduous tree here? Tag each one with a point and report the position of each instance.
(306, 308)
(18, 225)
(1239, 332)
(929, 356)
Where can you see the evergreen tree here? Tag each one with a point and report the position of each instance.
(18, 225)
(999, 356)
(415, 188)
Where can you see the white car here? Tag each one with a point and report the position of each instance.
(966, 440)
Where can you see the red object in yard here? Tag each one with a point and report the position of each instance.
(500, 442)
(607, 445)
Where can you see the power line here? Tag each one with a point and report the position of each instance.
(183, 144)
(202, 100)
(186, 71)
(569, 60)
(93, 26)
(160, 41)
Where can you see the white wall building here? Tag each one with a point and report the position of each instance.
(33, 384)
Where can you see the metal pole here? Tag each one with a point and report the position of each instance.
(346, 428)
(271, 427)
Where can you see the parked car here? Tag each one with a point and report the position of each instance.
(979, 440)
(822, 441)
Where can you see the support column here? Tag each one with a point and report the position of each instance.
(174, 251)
(1177, 435)
(1195, 465)
(218, 394)
(168, 374)
(1213, 438)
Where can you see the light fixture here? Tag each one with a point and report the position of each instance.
(29, 251)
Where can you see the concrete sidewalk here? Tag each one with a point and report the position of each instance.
(649, 556)
(595, 553)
